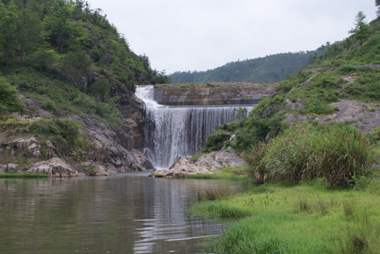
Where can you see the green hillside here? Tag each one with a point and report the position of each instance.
(342, 86)
(69, 56)
(269, 69)
(318, 135)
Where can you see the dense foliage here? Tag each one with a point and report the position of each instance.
(336, 152)
(267, 69)
(68, 56)
(69, 39)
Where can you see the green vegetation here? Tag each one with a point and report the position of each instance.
(317, 185)
(235, 174)
(64, 133)
(69, 57)
(267, 69)
(299, 219)
(9, 101)
(24, 175)
(360, 48)
(336, 152)
(311, 91)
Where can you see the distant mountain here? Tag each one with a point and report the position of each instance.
(267, 69)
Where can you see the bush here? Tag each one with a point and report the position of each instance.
(9, 101)
(63, 133)
(339, 154)
(215, 142)
(49, 105)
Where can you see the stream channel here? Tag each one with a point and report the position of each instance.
(122, 213)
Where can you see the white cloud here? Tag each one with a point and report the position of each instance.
(181, 35)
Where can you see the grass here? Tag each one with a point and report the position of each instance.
(303, 152)
(24, 175)
(300, 219)
(235, 174)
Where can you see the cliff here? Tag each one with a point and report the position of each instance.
(212, 94)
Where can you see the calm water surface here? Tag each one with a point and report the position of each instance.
(118, 214)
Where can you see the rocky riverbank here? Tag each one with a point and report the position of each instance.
(206, 164)
(103, 149)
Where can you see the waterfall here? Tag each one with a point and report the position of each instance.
(173, 131)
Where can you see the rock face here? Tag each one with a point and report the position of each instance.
(55, 167)
(365, 116)
(212, 94)
(106, 150)
(206, 164)
(109, 151)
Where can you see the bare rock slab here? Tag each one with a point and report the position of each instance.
(206, 164)
(55, 167)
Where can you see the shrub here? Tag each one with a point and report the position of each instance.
(49, 105)
(339, 154)
(63, 133)
(215, 142)
(9, 101)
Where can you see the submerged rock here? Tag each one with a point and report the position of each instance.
(206, 164)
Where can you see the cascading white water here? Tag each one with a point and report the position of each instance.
(171, 132)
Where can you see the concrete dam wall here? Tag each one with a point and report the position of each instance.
(212, 94)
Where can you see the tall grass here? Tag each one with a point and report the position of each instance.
(300, 219)
(338, 153)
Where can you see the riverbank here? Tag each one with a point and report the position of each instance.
(306, 218)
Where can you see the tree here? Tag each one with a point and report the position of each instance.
(58, 26)
(29, 32)
(9, 28)
(378, 4)
(361, 30)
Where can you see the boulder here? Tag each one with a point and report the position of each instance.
(206, 164)
(11, 167)
(28, 143)
(25, 142)
(2, 168)
(94, 169)
(55, 167)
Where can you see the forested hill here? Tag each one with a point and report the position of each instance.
(67, 79)
(71, 41)
(267, 69)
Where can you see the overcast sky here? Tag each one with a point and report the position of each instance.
(182, 35)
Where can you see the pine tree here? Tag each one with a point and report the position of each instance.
(361, 30)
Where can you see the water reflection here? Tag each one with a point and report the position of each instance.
(118, 214)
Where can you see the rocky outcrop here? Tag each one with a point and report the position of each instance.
(109, 151)
(206, 164)
(55, 167)
(365, 116)
(212, 94)
(28, 143)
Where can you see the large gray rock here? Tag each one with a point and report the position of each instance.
(206, 164)
(111, 148)
(55, 167)
(94, 169)
(2, 168)
(11, 167)
(365, 116)
(28, 143)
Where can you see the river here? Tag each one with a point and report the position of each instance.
(123, 213)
